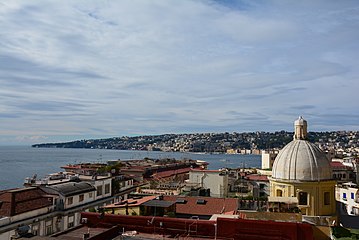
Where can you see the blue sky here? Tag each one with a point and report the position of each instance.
(91, 69)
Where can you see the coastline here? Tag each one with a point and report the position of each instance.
(19, 162)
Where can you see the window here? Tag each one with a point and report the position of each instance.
(345, 196)
(81, 198)
(48, 227)
(90, 195)
(48, 230)
(70, 200)
(326, 198)
(99, 191)
(352, 196)
(279, 193)
(35, 229)
(107, 188)
(181, 201)
(71, 222)
(303, 198)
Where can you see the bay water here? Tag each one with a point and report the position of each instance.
(19, 162)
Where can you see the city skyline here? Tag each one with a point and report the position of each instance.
(97, 69)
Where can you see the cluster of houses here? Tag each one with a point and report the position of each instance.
(182, 189)
(288, 188)
(53, 204)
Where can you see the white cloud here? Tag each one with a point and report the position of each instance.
(86, 68)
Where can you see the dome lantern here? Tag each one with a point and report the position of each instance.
(300, 129)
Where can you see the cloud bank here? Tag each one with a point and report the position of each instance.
(87, 69)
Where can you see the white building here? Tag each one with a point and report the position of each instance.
(268, 158)
(70, 196)
(55, 205)
(103, 185)
(342, 172)
(215, 180)
(348, 195)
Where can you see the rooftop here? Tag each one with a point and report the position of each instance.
(338, 165)
(22, 200)
(203, 205)
(170, 173)
(132, 202)
(257, 177)
(72, 188)
(205, 170)
(74, 234)
(158, 203)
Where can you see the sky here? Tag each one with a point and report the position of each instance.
(86, 69)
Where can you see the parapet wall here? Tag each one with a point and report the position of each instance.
(222, 228)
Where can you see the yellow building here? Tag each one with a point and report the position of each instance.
(128, 207)
(302, 175)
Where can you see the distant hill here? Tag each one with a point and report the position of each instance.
(210, 142)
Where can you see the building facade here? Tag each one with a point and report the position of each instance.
(348, 196)
(54, 205)
(214, 180)
(268, 158)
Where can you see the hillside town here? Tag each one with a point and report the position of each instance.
(343, 142)
(301, 191)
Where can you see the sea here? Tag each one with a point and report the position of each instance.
(19, 162)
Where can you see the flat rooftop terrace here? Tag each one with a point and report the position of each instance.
(78, 233)
(74, 234)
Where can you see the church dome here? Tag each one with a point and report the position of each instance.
(301, 160)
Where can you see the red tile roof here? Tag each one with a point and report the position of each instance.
(205, 170)
(170, 173)
(211, 206)
(132, 170)
(338, 165)
(257, 177)
(23, 200)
